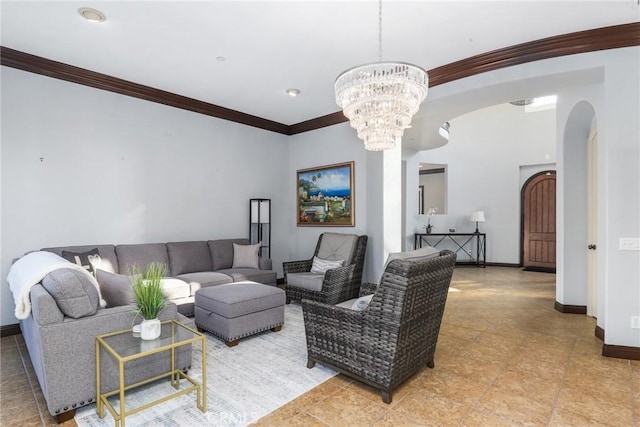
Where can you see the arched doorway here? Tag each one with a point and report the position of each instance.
(538, 210)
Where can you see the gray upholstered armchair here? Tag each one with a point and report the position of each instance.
(395, 336)
(336, 284)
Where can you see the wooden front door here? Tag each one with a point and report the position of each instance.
(539, 222)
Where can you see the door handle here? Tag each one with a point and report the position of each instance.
(592, 247)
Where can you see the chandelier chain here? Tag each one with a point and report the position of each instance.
(380, 30)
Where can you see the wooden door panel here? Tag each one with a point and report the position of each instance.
(539, 221)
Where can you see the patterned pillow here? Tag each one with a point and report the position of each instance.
(322, 265)
(90, 260)
(246, 256)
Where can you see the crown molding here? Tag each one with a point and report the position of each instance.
(58, 70)
(613, 37)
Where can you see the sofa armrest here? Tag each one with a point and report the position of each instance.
(265, 263)
(44, 309)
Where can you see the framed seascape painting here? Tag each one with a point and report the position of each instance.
(326, 196)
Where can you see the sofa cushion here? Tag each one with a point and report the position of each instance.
(311, 281)
(337, 246)
(75, 294)
(141, 256)
(246, 256)
(174, 289)
(116, 289)
(266, 277)
(188, 257)
(203, 279)
(222, 252)
(108, 258)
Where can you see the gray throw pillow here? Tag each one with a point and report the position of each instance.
(246, 256)
(116, 289)
(73, 291)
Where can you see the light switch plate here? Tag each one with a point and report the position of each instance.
(629, 244)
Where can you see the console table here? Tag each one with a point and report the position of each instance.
(458, 243)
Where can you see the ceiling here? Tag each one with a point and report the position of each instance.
(271, 46)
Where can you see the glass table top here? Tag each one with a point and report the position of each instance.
(125, 344)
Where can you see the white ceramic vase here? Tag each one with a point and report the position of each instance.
(150, 329)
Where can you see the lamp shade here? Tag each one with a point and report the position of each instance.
(477, 217)
(260, 208)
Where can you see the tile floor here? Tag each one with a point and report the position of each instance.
(505, 357)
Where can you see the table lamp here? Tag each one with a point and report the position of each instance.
(477, 217)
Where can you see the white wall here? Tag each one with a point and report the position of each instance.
(484, 155)
(121, 170)
(617, 112)
(321, 147)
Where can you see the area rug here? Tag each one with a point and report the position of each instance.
(244, 383)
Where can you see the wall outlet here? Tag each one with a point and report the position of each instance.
(629, 244)
(635, 322)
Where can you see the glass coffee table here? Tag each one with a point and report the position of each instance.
(124, 347)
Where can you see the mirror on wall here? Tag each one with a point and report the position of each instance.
(432, 188)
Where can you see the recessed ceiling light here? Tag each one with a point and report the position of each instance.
(293, 92)
(92, 15)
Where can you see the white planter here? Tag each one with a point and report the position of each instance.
(150, 329)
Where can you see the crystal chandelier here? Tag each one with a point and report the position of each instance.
(380, 98)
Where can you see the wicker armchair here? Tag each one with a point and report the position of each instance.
(395, 336)
(338, 284)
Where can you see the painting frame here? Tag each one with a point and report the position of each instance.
(325, 196)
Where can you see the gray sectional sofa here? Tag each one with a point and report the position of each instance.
(195, 265)
(62, 349)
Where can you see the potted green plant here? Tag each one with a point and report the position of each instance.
(149, 298)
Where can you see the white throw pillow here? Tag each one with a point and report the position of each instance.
(246, 256)
(362, 303)
(322, 265)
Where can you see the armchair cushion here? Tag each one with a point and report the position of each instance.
(427, 251)
(74, 293)
(337, 246)
(310, 281)
(321, 266)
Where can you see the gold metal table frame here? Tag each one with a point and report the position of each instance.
(174, 334)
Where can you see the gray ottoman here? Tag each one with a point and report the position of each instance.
(236, 310)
